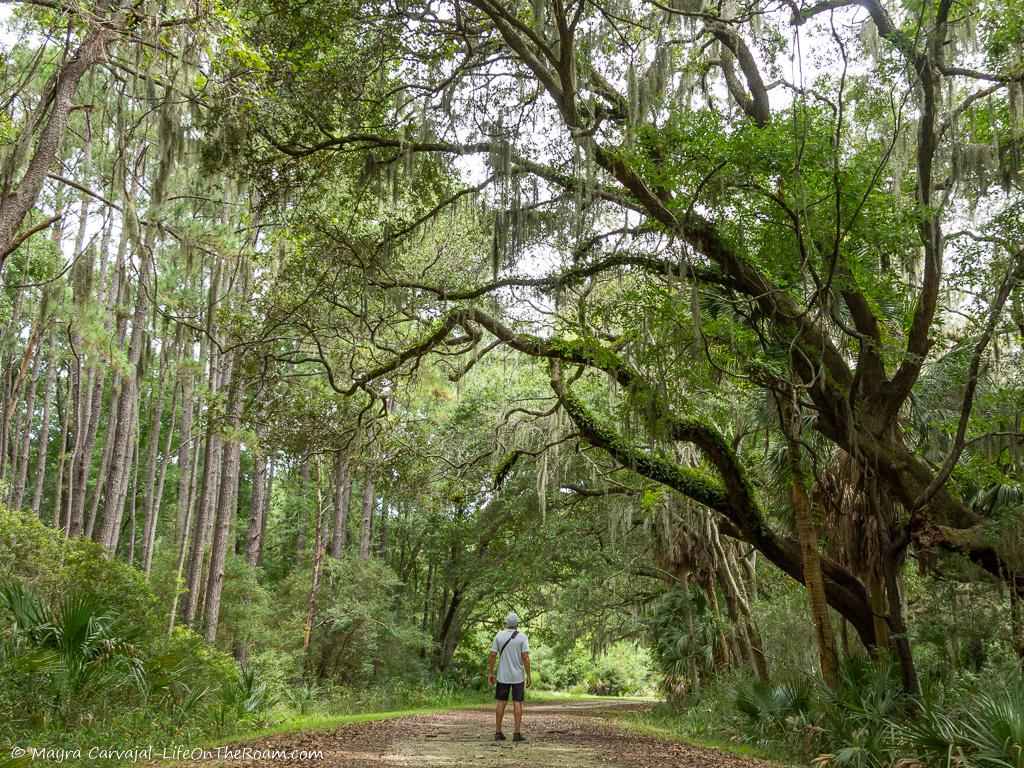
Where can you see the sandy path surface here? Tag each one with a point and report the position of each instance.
(559, 735)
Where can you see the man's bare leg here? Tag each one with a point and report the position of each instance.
(499, 715)
(517, 712)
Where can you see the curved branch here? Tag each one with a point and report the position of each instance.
(754, 98)
(844, 591)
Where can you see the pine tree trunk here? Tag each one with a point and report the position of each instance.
(97, 392)
(342, 491)
(61, 518)
(76, 513)
(8, 368)
(183, 547)
(149, 510)
(373, 525)
(51, 119)
(158, 501)
(302, 518)
(403, 542)
(256, 510)
(133, 503)
(185, 476)
(366, 525)
(202, 518)
(26, 434)
(44, 428)
(69, 456)
(271, 467)
(103, 476)
(92, 403)
(89, 395)
(128, 408)
(186, 495)
(385, 513)
(319, 546)
(131, 475)
(207, 494)
(225, 505)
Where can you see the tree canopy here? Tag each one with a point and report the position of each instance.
(611, 310)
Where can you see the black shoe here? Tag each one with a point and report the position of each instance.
(499, 736)
(518, 737)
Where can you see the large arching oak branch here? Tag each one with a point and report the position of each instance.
(844, 591)
(965, 534)
(729, 494)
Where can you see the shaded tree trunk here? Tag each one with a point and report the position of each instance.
(149, 510)
(128, 408)
(90, 410)
(92, 405)
(101, 488)
(898, 629)
(133, 502)
(808, 536)
(26, 433)
(384, 513)
(879, 609)
(186, 477)
(271, 467)
(63, 521)
(44, 428)
(225, 506)
(319, 547)
(204, 507)
(157, 502)
(342, 492)
(302, 517)
(202, 518)
(257, 510)
(366, 524)
(448, 633)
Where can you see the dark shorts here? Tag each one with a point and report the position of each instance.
(502, 690)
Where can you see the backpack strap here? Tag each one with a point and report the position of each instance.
(505, 644)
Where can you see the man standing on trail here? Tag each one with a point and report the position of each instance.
(512, 650)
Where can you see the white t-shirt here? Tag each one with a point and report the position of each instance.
(510, 663)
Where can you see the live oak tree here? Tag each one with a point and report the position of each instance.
(806, 228)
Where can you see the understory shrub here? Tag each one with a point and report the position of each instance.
(867, 722)
(622, 670)
(85, 656)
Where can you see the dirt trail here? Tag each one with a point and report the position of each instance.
(559, 735)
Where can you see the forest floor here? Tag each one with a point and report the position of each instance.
(576, 734)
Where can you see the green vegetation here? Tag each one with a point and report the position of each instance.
(86, 659)
(333, 330)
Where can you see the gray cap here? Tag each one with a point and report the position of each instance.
(512, 620)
